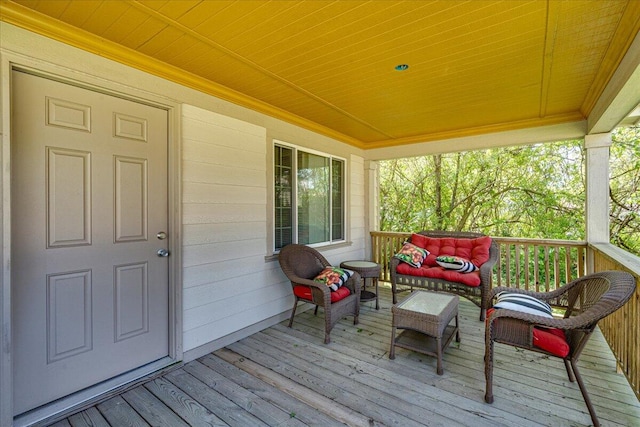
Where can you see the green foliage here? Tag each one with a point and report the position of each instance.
(535, 191)
(625, 189)
(532, 191)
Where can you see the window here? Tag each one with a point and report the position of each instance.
(309, 197)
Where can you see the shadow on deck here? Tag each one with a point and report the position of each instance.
(288, 377)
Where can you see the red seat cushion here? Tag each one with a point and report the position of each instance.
(552, 340)
(304, 292)
(469, 279)
(475, 250)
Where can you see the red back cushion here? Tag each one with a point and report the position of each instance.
(475, 250)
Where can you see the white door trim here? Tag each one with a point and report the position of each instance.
(8, 62)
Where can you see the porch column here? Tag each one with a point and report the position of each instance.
(597, 197)
(372, 203)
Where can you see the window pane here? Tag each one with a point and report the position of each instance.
(283, 214)
(313, 198)
(337, 200)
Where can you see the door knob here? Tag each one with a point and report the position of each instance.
(163, 252)
(161, 235)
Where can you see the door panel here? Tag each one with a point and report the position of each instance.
(89, 186)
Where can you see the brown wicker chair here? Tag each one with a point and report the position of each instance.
(589, 299)
(301, 264)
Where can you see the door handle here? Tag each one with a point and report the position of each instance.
(162, 252)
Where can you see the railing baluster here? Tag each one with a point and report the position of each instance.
(516, 255)
(567, 263)
(536, 266)
(507, 266)
(526, 266)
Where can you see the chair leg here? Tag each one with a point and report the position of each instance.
(585, 395)
(329, 320)
(488, 371)
(293, 311)
(392, 350)
(356, 313)
(567, 366)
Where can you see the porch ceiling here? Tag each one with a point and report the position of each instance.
(474, 67)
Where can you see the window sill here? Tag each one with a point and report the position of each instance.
(329, 247)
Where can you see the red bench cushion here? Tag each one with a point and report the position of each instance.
(475, 250)
(304, 292)
(469, 279)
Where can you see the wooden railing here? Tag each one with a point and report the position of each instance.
(543, 265)
(384, 244)
(538, 264)
(622, 328)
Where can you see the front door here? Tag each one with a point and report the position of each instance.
(89, 199)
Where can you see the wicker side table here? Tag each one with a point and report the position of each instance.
(367, 270)
(425, 316)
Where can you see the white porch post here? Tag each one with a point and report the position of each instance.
(597, 200)
(372, 203)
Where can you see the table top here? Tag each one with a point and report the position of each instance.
(425, 302)
(366, 269)
(359, 264)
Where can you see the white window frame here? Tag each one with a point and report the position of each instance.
(294, 196)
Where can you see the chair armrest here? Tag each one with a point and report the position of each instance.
(354, 283)
(393, 265)
(584, 320)
(295, 281)
(530, 319)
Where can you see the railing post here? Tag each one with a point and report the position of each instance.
(597, 197)
(371, 201)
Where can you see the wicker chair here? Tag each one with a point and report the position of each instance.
(589, 299)
(301, 264)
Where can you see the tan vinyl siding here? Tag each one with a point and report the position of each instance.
(227, 284)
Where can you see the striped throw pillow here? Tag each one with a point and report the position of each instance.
(523, 303)
(456, 263)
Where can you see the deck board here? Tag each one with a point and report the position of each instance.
(287, 377)
(88, 418)
(187, 408)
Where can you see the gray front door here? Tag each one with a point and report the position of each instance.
(89, 195)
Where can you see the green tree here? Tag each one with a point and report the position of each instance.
(532, 191)
(535, 191)
(625, 189)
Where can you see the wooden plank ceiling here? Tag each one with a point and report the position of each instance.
(474, 66)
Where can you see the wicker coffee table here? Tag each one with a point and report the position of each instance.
(366, 270)
(425, 316)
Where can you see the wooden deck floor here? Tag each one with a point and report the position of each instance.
(288, 377)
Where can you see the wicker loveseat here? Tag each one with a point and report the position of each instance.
(432, 277)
